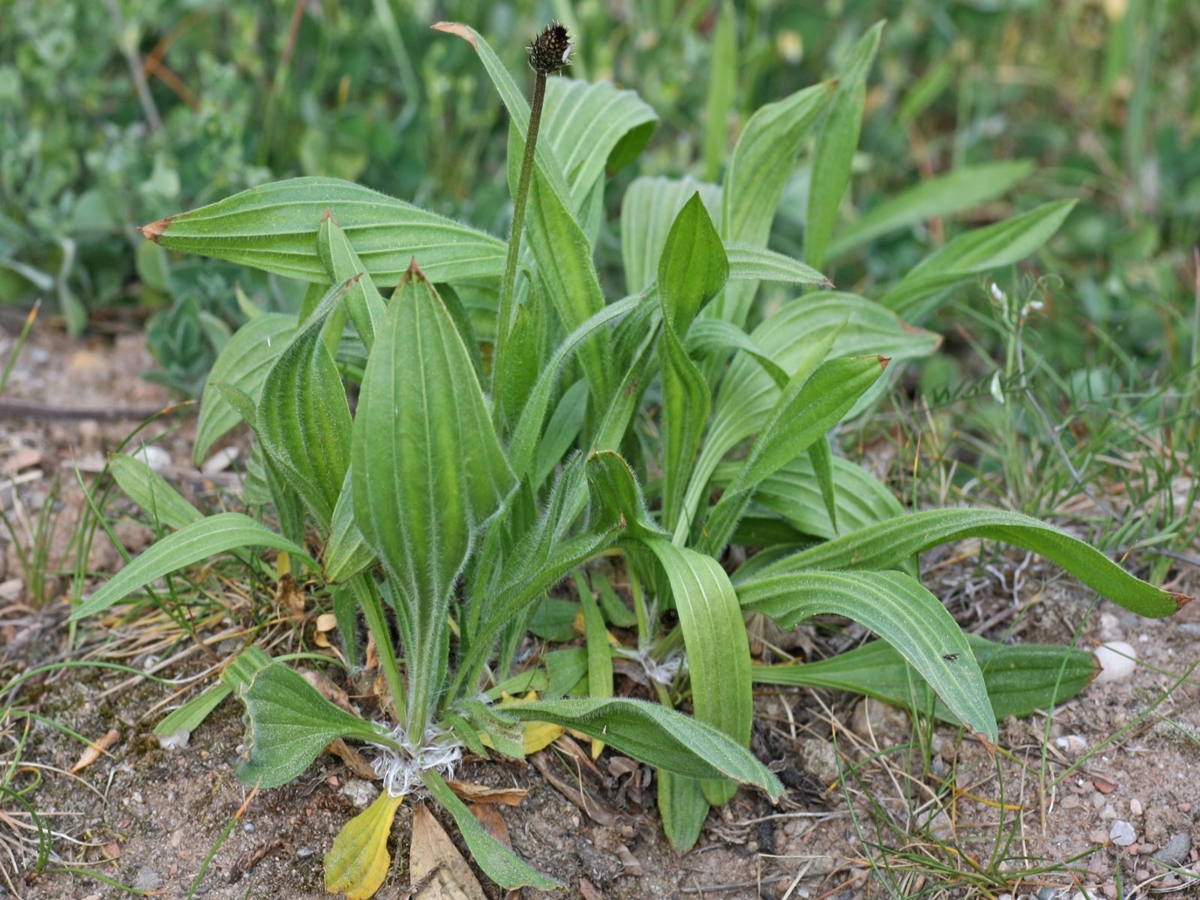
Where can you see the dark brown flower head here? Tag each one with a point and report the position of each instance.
(550, 50)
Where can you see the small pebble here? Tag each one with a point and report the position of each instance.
(1110, 891)
(1184, 807)
(1121, 833)
(1108, 812)
(1146, 849)
(1135, 807)
(304, 852)
(1117, 661)
(1098, 836)
(1072, 743)
(1098, 800)
(1176, 849)
(1141, 874)
(248, 827)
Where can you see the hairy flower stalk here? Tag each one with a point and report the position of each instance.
(549, 52)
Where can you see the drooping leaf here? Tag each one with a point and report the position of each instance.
(898, 609)
(274, 228)
(187, 546)
(1019, 679)
(593, 128)
(655, 735)
(287, 721)
(243, 363)
(750, 263)
(883, 545)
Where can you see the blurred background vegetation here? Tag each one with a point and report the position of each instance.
(117, 113)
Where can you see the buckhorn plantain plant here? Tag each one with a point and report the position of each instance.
(436, 500)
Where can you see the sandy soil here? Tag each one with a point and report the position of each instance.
(174, 822)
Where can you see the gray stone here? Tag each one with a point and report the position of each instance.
(1176, 850)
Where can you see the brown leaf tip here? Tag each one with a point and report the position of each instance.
(1181, 600)
(328, 217)
(414, 271)
(883, 361)
(550, 50)
(154, 230)
(454, 28)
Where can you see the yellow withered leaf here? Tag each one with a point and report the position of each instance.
(358, 861)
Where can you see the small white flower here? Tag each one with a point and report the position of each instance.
(997, 393)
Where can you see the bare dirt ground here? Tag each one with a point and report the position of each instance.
(1116, 785)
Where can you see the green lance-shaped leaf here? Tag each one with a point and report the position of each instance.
(718, 651)
(898, 609)
(243, 364)
(363, 300)
(1019, 679)
(693, 267)
(648, 210)
(754, 181)
(523, 446)
(654, 735)
(887, 543)
(683, 807)
(190, 716)
(600, 667)
(750, 263)
(288, 722)
(691, 271)
(619, 495)
(593, 129)
(564, 426)
(428, 470)
(717, 335)
(945, 195)
(564, 263)
(497, 861)
(303, 417)
(806, 410)
(274, 228)
(187, 546)
(346, 553)
(150, 491)
(980, 250)
(835, 147)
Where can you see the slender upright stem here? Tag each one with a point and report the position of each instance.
(520, 199)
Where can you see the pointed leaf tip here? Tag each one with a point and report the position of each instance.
(414, 271)
(328, 217)
(1181, 600)
(454, 28)
(883, 362)
(154, 230)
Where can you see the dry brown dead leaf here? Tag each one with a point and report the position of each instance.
(93, 751)
(477, 793)
(433, 851)
(491, 820)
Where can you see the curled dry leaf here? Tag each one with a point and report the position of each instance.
(491, 820)
(477, 793)
(93, 751)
